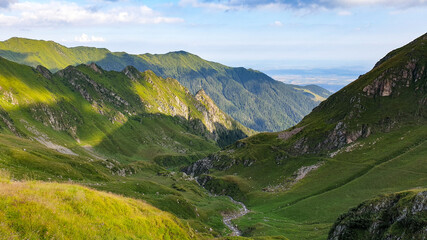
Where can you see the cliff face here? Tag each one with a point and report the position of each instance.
(396, 216)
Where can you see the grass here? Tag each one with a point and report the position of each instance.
(38, 210)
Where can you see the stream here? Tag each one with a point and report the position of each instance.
(228, 217)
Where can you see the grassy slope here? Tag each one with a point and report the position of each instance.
(37, 210)
(251, 97)
(391, 159)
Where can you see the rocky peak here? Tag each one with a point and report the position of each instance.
(44, 71)
(132, 73)
(202, 96)
(95, 67)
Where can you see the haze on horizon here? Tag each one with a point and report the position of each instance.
(324, 42)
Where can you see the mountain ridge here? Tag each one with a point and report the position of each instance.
(251, 97)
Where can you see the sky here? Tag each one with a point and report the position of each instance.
(324, 42)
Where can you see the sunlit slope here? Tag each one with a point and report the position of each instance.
(37, 210)
(131, 110)
(249, 96)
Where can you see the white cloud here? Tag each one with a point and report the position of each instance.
(298, 4)
(390, 3)
(84, 38)
(278, 23)
(208, 5)
(60, 13)
(344, 13)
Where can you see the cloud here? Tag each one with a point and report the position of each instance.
(66, 13)
(6, 3)
(344, 13)
(278, 23)
(298, 4)
(84, 38)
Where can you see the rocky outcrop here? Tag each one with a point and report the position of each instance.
(44, 71)
(83, 84)
(285, 135)
(62, 117)
(384, 85)
(396, 216)
(5, 118)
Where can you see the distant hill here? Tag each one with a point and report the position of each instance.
(249, 96)
(367, 139)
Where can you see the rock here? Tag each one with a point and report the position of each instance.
(395, 216)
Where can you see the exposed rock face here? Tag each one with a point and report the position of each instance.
(384, 84)
(295, 178)
(132, 73)
(199, 167)
(59, 118)
(4, 116)
(396, 216)
(215, 161)
(82, 82)
(217, 122)
(285, 135)
(44, 71)
(339, 137)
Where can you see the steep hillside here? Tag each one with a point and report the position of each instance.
(395, 216)
(122, 132)
(37, 210)
(366, 139)
(249, 96)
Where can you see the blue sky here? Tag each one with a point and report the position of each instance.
(328, 42)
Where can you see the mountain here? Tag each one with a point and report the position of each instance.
(395, 216)
(122, 132)
(367, 139)
(251, 97)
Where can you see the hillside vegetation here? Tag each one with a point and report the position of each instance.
(37, 210)
(251, 97)
(367, 139)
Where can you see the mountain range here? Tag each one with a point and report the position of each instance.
(251, 97)
(355, 167)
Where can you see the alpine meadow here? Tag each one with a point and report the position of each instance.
(99, 140)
